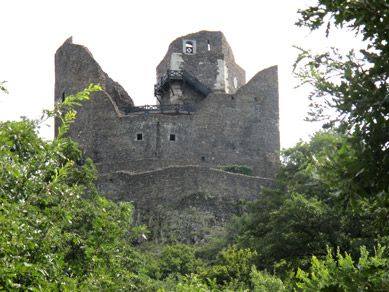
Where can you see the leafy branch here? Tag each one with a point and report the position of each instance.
(2, 88)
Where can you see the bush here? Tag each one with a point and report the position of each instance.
(264, 282)
(178, 258)
(231, 263)
(342, 274)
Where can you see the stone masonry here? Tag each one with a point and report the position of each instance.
(206, 117)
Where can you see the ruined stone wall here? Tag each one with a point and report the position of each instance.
(171, 160)
(188, 203)
(225, 130)
(174, 186)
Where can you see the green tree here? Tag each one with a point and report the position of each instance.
(294, 220)
(56, 233)
(356, 87)
(178, 258)
(299, 218)
(370, 273)
(232, 264)
(264, 282)
(259, 282)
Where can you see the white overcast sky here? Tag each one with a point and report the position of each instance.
(129, 38)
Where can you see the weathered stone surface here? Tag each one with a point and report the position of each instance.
(155, 159)
(186, 202)
(75, 69)
(168, 186)
(213, 62)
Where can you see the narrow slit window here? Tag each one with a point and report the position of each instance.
(209, 46)
(139, 136)
(172, 137)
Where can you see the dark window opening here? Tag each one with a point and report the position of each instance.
(189, 47)
(172, 137)
(63, 96)
(209, 46)
(202, 158)
(139, 136)
(232, 97)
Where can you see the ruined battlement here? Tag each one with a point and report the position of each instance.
(206, 117)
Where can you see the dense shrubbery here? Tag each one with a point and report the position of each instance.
(56, 232)
(370, 273)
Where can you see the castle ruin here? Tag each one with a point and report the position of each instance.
(170, 155)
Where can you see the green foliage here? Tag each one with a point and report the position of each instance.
(66, 112)
(231, 270)
(264, 282)
(356, 86)
(178, 258)
(2, 88)
(342, 274)
(300, 227)
(354, 174)
(56, 233)
(299, 218)
(242, 169)
(231, 263)
(299, 170)
(191, 284)
(331, 191)
(276, 225)
(259, 282)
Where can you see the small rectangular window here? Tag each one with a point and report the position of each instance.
(189, 47)
(172, 137)
(139, 136)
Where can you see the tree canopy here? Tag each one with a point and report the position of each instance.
(356, 86)
(56, 232)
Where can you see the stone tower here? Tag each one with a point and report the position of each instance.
(171, 155)
(196, 65)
